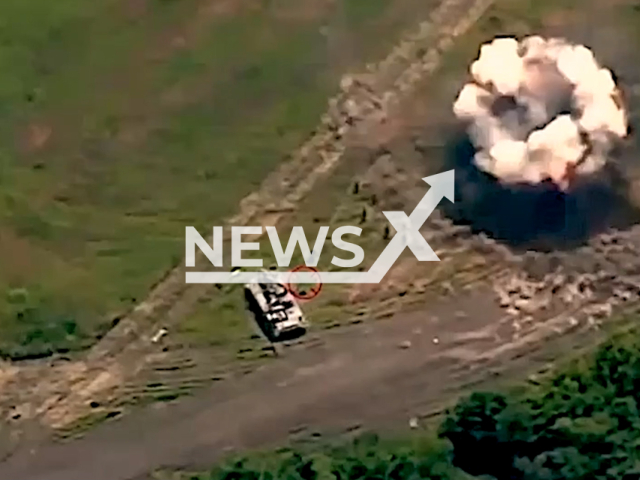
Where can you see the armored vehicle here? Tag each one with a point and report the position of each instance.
(275, 309)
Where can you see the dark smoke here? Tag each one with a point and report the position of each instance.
(536, 217)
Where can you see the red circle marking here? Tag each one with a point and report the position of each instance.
(313, 293)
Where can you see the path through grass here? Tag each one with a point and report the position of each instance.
(123, 121)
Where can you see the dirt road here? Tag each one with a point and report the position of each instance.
(378, 374)
(60, 394)
(369, 375)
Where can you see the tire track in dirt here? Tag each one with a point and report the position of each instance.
(64, 391)
(324, 390)
(319, 388)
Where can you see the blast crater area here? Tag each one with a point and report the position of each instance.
(538, 217)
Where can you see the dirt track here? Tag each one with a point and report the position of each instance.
(377, 374)
(365, 375)
(64, 390)
(360, 375)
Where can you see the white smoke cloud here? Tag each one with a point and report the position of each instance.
(540, 109)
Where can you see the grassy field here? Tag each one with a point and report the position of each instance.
(220, 318)
(122, 121)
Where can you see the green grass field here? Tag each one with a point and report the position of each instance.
(123, 121)
(220, 318)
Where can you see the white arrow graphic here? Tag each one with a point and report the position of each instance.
(407, 235)
(408, 228)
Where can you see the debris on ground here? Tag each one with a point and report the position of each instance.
(159, 334)
(413, 422)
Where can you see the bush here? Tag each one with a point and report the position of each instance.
(43, 325)
(583, 423)
(365, 458)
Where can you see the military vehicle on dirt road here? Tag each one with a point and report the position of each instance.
(275, 309)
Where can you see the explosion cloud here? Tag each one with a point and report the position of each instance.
(540, 110)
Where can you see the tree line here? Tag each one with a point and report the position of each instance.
(583, 422)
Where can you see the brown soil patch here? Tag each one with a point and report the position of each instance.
(381, 133)
(561, 18)
(37, 136)
(398, 279)
(25, 258)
